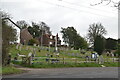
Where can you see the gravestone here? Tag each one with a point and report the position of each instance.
(112, 54)
(72, 48)
(93, 55)
(38, 46)
(20, 48)
(30, 58)
(27, 48)
(73, 54)
(17, 46)
(77, 54)
(30, 54)
(57, 55)
(101, 60)
(117, 55)
(69, 54)
(87, 58)
(34, 44)
(47, 54)
(34, 51)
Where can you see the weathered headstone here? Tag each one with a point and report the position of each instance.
(34, 44)
(112, 54)
(87, 58)
(27, 48)
(69, 54)
(57, 55)
(47, 55)
(38, 46)
(34, 51)
(101, 59)
(20, 48)
(30, 54)
(73, 54)
(72, 48)
(117, 55)
(17, 46)
(31, 49)
(77, 54)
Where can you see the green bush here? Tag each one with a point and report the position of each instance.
(32, 42)
(117, 51)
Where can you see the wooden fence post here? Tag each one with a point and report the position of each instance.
(113, 59)
(75, 60)
(63, 60)
(29, 60)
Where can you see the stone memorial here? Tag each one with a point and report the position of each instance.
(20, 47)
(34, 51)
(101, 60)
(77, 54)
(69, 54)
(17, 47)
(34, 45)
(38, 46)
(27, 48)
(73, 54)
(30, 54)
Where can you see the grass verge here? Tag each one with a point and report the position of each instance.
(10, 70)
(61, 65)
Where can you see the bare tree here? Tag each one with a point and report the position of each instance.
(95, 30)
(45, 28)
(115, 4)
(23, 24)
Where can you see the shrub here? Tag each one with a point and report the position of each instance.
(32, 42)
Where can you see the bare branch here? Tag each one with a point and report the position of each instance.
(97, 3)
(115, 4)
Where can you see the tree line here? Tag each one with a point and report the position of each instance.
(95, 38)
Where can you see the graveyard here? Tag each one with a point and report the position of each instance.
(35, 57)
(59, 39)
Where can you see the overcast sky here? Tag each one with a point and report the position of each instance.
(64, 13)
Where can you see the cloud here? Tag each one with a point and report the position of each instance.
(57, 14)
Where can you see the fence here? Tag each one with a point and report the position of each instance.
(71, 60)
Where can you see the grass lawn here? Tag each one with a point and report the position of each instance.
(10, 70)
(68, 64)
(67, 54)
(59, 65)
(45, 50)
(112, 64)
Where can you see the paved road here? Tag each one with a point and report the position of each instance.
(86, 72)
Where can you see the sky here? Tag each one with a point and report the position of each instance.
(63, 13)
